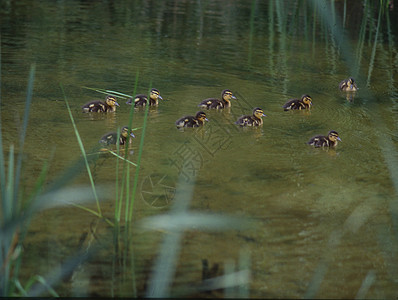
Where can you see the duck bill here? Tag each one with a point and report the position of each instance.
(206, 119)
(132, 135)
(233, 97)
(117, 104)
(160, 97)
(339, 139)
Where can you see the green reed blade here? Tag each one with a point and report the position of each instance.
(129, 209)
(2, 162)
(9, 205)
(366, 284)
(42, 281)
(109, 92)
(6, 236)
(118, 201)
(82, 150)
(28, 103)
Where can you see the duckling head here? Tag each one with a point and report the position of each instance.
(306, 99)
(125, 132)
(333, 136)
(351, 84)
(258, 113)
(227, 95)
(201, 116)
(155, 94)
(111, 101)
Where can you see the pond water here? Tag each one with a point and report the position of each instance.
(322, 215)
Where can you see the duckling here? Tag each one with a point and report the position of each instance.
(100, 106)
(348, 85)
(254, 120)
(111, 137)
(330, 140)
(226, 97)
(192, 121)
(142, 100)
(304, 103)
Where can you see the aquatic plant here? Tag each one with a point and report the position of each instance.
(17, 212)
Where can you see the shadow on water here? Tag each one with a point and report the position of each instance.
(221, 211)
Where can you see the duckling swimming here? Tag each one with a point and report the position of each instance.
(99, 106)
(348, 85)
(330, 140)
(192, 121)
(111, 137)
(142, 99)
(304, 103)
(252, 120)
(225, 101)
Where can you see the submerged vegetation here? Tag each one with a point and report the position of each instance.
(353, 51)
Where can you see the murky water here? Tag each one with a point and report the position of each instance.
(315, 209)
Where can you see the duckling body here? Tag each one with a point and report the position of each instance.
(100, 106)
(252, 120)
(330, 140)
(142, 99)
(214, 103)
(304, 103)
(192, 121)
(111, 137)
(348, 85)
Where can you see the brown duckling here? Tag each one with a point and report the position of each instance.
(252, 120)
(304, 103)
(225, 101)
(192, 121)
(111, 137)
(142, 99)
(348, 85)
(330, 140)
(100, 106)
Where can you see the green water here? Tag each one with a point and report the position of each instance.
(312, 207)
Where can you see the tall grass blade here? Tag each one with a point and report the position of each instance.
(37, 278)
(366, 284)
(56, 275)
(193, 221)
(244, 264)
(28, 103)
(228, 280)
(109, 92)
(83, 151)
(129, 208)
(165, 265)
(2, 162)
(9, 207)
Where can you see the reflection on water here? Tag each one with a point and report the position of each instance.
(318, 212)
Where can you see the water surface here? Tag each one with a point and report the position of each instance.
(312, 207)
